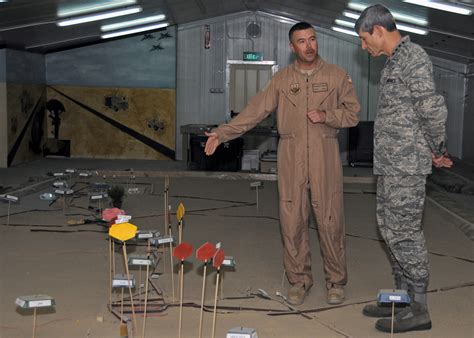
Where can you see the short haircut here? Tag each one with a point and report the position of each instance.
(299, 27)
(376, 15)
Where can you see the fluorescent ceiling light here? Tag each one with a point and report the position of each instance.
(441, 6)
(412, 29)
(131, 23)
(99, 16)
(134, 30)
(344, 30)
(67, 10)
(351, 15)
(289, 21)
(345, 23)
(400, 26)
(398, 16)
(410, 19)
(357, 6)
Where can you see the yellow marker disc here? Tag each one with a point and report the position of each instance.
(180, 212)
(123, 231)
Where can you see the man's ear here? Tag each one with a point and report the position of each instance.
(378, 30)
(291, 47)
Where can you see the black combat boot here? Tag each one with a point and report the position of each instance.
(385, 310)
(413, 318)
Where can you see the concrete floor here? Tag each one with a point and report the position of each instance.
(42, 254)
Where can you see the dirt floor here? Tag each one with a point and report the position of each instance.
(42, 254)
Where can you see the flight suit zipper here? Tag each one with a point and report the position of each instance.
(307, 129)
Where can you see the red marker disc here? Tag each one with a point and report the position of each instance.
(110, 213)
(183, 251)
(218, 259)
(205, 251)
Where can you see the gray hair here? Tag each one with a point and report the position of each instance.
(376, 15)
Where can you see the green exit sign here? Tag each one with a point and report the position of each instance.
(253, 56)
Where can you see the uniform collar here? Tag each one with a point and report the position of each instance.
(317, 65)
(400, 44)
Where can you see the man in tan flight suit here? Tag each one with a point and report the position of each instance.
(312, 100)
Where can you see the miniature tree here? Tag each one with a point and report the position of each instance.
(116, 194)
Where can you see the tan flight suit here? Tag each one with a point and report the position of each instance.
(309, 166)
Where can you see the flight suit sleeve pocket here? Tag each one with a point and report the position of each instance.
(330, 135)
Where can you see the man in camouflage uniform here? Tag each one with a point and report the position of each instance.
(409, 136)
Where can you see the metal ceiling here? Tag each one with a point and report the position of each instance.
(31, 24)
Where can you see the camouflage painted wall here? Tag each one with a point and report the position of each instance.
(25, 122)
(143, 61)
(122, 97)
(25, 97)
(118, 123)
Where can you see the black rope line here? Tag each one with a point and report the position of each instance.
(207, 199)
(28, 211)
(68, 231)
(195, 210)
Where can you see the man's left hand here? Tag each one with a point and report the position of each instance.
(317, 116)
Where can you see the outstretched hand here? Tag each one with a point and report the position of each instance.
(442, 161)
(212, 143)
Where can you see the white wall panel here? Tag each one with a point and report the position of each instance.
(240, 96)
(452, 85)
(468, 131)
(3, 110)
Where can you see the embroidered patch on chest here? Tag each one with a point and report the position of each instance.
(320, 87)
(295, 88)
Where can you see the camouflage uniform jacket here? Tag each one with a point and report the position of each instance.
(411, 117)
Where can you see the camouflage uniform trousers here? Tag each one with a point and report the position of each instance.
(400, 203)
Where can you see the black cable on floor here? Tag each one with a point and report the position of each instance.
(68, 231)
(207, 199)
(238, 216)
(28, 211)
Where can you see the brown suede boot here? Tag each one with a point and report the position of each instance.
(297, 294)
(335, 294)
